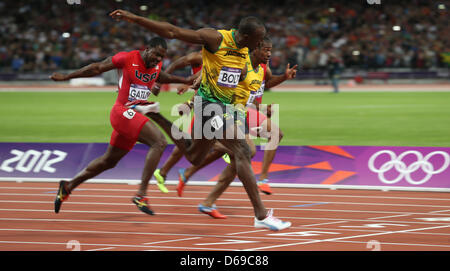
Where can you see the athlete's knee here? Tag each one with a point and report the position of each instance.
(108, 162)
(195, 158)
(227, 180)
(160, 144)
(252, 151)
(275, 137)
(280, 135)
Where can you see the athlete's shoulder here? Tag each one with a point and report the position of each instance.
(119, 60)
(227, 33)
(127, 53)
(224, 31)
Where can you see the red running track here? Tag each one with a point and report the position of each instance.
(101, 217)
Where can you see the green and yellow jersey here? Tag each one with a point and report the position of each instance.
(252, 85)
(222, 69)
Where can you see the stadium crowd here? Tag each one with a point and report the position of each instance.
(41, 35)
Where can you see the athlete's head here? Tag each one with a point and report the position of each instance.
(251, 32)
(155, 52)
(263, 53)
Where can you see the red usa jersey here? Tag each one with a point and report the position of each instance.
(135, 80)
(195, 69)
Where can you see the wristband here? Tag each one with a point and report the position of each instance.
(190, 103)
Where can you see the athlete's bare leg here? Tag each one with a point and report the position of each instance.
(211, 157)
(226, 177)
(274, 135)
(218, 151)
(107, 161)
(174, 157)
(195, 150)
(151, 136)
(182, 143)
(242, 156)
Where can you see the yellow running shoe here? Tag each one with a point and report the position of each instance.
(160, 180)
(226, 158)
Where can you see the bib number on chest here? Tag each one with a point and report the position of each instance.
(138, 92)
(229, 77)
(256, 94)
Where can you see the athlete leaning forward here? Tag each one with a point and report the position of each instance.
(249, 92)
(138, 71)
(224, 58)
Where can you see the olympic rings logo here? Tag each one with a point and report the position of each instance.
(404, 170)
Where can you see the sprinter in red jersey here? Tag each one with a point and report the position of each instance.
(138, 71)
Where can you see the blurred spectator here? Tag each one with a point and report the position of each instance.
(334, 70)
(42, 35)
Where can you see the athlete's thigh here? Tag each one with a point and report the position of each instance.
(266, 128)
(270, 129)
(114, 153)
(239, 147)
(220, 147)
(201, 147)
(250, 144)
(150, 134)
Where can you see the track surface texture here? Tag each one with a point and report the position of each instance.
(101, 217)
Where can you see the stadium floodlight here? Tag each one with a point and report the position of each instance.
(396, 28)
(143, 7)
(66, 35)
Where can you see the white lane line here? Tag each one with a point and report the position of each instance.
(326, 223)
(188, 235)
(123, 222)
(349, 237)
(176, 240)
(389, 216)
(334, 220)
(203, 224)
(195, 206)
(243, 193)
(230, 199)
(113, 245)
(236, 233)
(99, 249)
(397, 244)
(196, 236)
(439, 211)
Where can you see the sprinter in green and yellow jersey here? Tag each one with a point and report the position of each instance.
(224, 57)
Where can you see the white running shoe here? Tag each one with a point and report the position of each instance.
(272, 223)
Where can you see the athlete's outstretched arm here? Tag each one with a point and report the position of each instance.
(206, 36)
(166, 78)
(274, 80)
(192, 59)
(90, 70)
